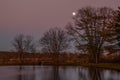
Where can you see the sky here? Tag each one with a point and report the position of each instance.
(34, 17)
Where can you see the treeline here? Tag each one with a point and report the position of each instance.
(94, 31)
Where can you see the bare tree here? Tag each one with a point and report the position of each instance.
(54, 40)
(113, 34)
(117, 25)
(29, 44)
(23, 43)
(89, 29)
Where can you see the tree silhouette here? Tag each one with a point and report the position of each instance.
(54, 41)
(117, 25)
(89, 30)
(113, 35)
(23, 43)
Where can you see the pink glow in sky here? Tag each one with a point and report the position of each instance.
(33, 17)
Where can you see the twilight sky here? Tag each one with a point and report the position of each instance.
(34, 17)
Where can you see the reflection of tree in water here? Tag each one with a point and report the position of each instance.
(94, 74)
(20, 72)
(49, 73)
(97, 74)
(82, 74)
(25, 76)
(112, 74)
(56, 73)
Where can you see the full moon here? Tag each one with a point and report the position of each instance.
(73, 13)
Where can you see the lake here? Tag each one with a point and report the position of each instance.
(56, 73)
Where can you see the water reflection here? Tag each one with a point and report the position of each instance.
(56, 73)
(24, 73)
(82, 74)
(95, 73)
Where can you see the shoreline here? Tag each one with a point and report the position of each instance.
(111, 66)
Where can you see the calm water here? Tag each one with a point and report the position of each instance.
(56, 73)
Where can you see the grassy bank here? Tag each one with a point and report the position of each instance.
(114, 66)
(13, 58)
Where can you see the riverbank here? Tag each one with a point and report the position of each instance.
(114, 66)
(13, 58)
